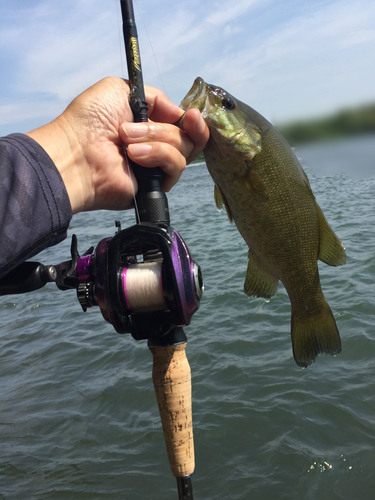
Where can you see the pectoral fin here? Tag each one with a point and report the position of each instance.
(259, 282)
(331, 250)
(221, 202)
(255, 184)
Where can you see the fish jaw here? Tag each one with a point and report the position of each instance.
(204, 97)
(229, 128)
(196, 97)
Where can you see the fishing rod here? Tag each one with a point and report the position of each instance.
(171, 370)
(151, 201)
(144, 281)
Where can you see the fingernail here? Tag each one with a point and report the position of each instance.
(139, 149)
(135, 130)
(201, 125)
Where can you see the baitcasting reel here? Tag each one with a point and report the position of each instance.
(143, 279)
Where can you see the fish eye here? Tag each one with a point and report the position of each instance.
(228, 104)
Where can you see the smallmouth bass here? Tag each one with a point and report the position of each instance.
(265, 191)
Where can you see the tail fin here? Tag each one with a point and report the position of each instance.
(312, 335)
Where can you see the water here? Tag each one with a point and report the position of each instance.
(78, 417)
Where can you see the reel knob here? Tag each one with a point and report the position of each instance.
(85, 295)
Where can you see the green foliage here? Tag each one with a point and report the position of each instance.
(199, 158)
(346, 122)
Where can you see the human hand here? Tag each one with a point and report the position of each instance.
(86, 143)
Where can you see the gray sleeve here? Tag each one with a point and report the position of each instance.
(34, 205)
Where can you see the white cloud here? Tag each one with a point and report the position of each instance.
(28, 109)
(359, 37)
(283, 59)
(224, 11)
(230, 30)
(65, 52)
(56, 48)
(303, 67)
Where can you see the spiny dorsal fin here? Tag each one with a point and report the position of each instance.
(221, 202)
(331, 250)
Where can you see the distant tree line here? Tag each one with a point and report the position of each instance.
(360, 120)
(347, 122)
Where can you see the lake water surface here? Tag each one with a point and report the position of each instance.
(78, 417)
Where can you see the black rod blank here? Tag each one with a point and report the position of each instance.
(133, 58)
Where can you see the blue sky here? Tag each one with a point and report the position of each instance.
(287, 59)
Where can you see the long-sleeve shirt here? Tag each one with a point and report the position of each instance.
(34, 205)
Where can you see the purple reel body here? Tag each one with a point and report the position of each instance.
(143, 279)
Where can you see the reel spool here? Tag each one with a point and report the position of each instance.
(143, 287)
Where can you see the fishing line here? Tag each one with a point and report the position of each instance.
(121, 41)
(152, 48)
(149, 41)
(143, 287)
(123, 73)
(131, 177)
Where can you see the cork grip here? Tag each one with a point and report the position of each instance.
(172, 381)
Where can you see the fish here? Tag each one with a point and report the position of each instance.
(266, 193)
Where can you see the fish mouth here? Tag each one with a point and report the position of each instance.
(196, 97)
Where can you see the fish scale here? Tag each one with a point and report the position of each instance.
(267, 194)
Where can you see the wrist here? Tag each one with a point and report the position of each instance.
(64, 150)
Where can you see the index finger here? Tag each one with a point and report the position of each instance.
(160, 108)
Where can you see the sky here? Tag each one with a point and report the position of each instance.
(289, 59)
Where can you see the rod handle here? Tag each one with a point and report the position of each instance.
(172, 382)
